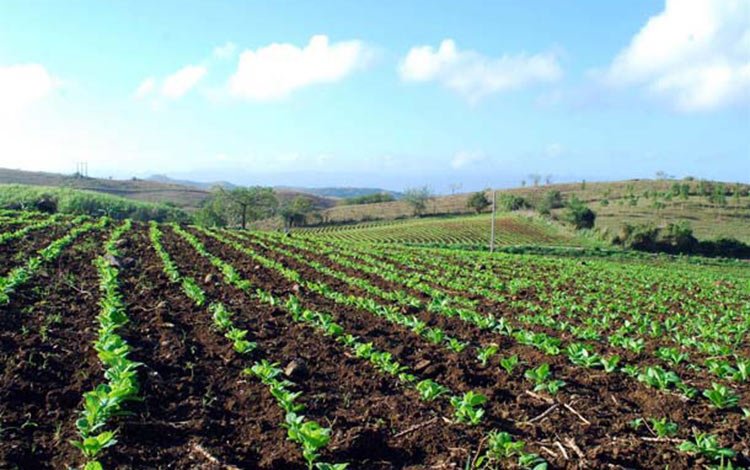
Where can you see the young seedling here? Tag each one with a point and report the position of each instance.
(509, 363)
(707, 445)
(91, 446)
(484, 354)
(663, 427)
(610, 364)
(435, 335)
(636, 423)
(467, 407)
(540, 376)
(721, 396)
(429, 390)
(456, 345)
(331, 466)
(500, 445)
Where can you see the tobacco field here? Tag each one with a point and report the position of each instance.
(130, 345)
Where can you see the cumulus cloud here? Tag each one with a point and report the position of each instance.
(474, 75)
(226, 51)
(182, 81)
(21, 85)
(466, 158)
(274, 71)
(695, 54)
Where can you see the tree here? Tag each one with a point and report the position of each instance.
(548, 179)
(293, 212)
(478, 201)
(417, 198)
(535, 178)
(455, 187)
(251, 203)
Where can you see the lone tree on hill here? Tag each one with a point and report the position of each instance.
(252, 203)
(417, 198)
(478, 201)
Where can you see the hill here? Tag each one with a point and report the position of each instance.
(510, 229)
(632, 201)
(186, 195)
(340, 192)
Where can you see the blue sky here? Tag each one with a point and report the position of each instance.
(382, 93)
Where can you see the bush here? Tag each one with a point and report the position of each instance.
(550, 200)
(478, 202)
(579, 214)
(642, 237)
(511, 202)
(680, 237)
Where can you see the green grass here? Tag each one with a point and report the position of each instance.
(77, 202)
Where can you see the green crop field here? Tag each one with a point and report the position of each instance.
(466, 230)
(171, 346)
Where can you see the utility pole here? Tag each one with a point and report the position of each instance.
(492, 232)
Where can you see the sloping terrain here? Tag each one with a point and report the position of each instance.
(510, 229)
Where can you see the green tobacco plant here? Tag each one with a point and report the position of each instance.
(468, 407)
(541, 377)
(663, 427)
(706, 445)
(484, 354)
(721, 396)
(509, 363)
(429, 390)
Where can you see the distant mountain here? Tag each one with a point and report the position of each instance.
(340, 192)
(194, 184)
(330, 192)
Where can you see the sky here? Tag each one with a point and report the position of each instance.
(385, 93)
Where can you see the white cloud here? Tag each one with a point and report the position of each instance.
(473, 75)
(226, 51)
(274, 71)
(145, 88)
(22, 85)
(695, 53)
(466, 158)
(182, 81)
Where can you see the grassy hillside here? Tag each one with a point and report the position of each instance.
(708, 219)
(510, 229)
(140, 190)
(188, 198)
(79, 202)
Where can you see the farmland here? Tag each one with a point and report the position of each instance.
(465, 230)
(142, 345)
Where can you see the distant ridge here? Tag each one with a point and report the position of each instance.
(195, 184)
(338, 192)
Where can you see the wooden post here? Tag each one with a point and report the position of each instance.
(492, 232)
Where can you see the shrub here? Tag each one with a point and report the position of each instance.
(511, 202)
(550, 200)
(579, 214)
